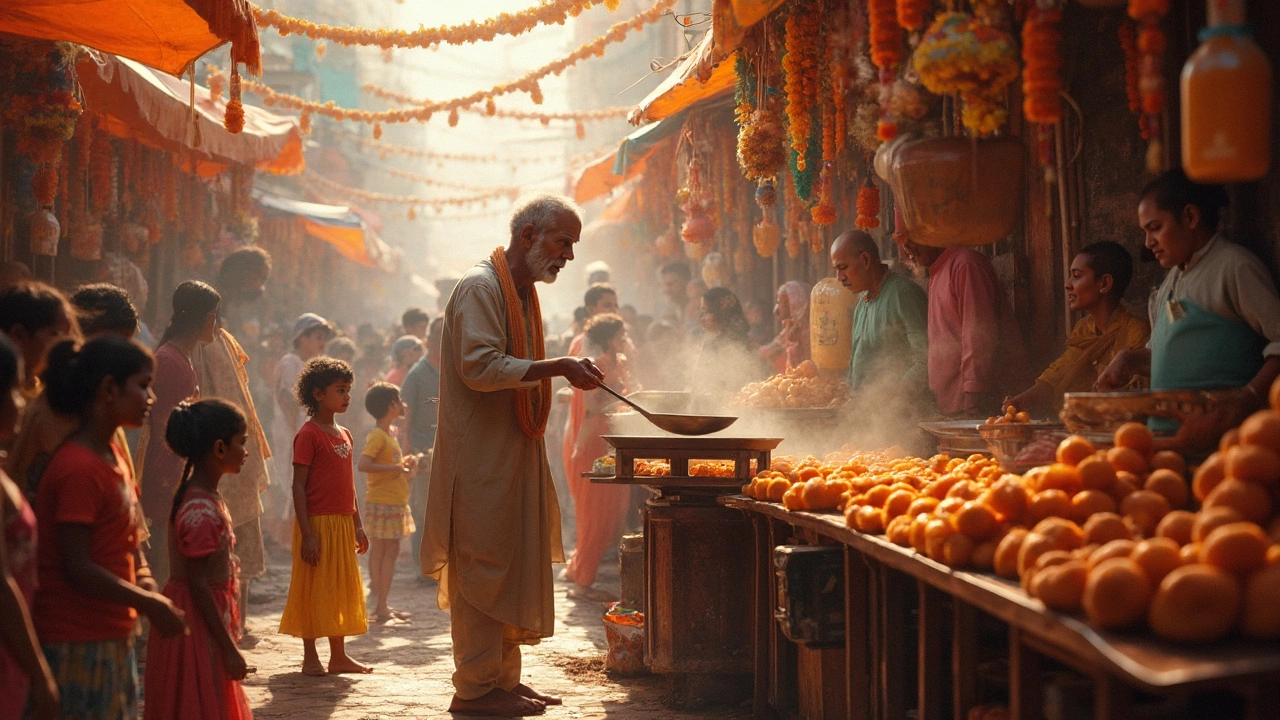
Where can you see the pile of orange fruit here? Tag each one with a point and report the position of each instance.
(1119, 535)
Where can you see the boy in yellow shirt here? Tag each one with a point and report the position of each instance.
(387, 516)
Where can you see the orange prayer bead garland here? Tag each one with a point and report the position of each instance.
(533, 421)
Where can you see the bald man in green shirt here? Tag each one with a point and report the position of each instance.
(890, 326)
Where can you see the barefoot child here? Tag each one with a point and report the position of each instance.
(387, 500)
(326, 592)
(197, 676)
(92, 578)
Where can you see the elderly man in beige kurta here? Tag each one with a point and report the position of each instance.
(492, 525)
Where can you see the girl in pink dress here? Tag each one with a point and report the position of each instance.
(197, 676)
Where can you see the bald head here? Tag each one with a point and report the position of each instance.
(856, 260)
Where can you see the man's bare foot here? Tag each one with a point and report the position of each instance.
(498, 703)
(525, 691)
(249, 641)
(345, 664)
(312, 666)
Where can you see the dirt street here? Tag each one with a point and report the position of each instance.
(414, 662)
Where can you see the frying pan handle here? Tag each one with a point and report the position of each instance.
(614, 393)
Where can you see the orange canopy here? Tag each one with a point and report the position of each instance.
(699, 77)
(165, 34)
(597, 178)
(144, 104)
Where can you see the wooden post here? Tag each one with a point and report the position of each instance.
(964, 658)
(762, 618)
(931, 659)
(895, 595)
(857, 642)
(1026, 696)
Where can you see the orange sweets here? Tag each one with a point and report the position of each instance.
(1261, 613)
(1262, 429)
(1195, 603)
(1146, 509)
(1239, 547)
(1104, 527)
(1158, 557)
(1074, 449)
(1096, 473)
(1128, 459)
(1253, 463)
(1116, 593)
(1005, 560)
(1252, 501)
(1061, 587)
(1208, 475)
(1177, 526)
(1137, 437)
(1169, 460)
(1169, 484)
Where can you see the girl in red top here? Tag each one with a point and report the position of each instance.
(326, 592)
(23, 670)
(93, 580)
(197, 676)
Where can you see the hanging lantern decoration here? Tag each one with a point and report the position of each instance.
(699, 226)
(1042, 80)
(1151, 45)
(766, 195)
(233, 117)
(885, 38)
(973, 58)
(868, 206)
(45, 231)
(1226, 101)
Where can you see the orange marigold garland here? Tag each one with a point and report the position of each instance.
(802, 64)
(824, 212)
(1151, 87)
(868, 206)
(233, 120)
(885, 36)
(1042, 80)
(911, 14)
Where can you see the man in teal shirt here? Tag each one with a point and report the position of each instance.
(890, 359)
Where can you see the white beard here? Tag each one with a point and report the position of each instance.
(540, 264)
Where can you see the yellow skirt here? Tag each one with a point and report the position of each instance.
(327, 599)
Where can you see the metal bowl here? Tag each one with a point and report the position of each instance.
(1007, 441)
(1104, 412)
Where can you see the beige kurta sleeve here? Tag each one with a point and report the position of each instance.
(479, 332)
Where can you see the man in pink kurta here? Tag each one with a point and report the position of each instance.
(975, 348)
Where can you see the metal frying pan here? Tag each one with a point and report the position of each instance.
(679, 424)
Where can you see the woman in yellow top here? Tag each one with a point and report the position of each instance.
(1098, 277)
(386, 501)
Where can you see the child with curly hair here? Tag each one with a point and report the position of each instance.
(326, 592)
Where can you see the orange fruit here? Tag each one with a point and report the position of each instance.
(917, 536)
(949, 507)
(1169, 460)
(1190, 553)
(1136, 436)
(1158, 557)
(1116, 594)
(1169, 484)
(1208, 475)
(1195, 603)
(936, 532)
(809, 473)
(870, 519)
(1229, 439)
(1114, 549)
(1005, 560)
(957, 550)
(1126, 485)
(898, 531)
(1262, 428)
(1239, 547)
(1177, 526)
(975, 520)
(1061, 587)
(1260, 617)
(1060, 476)
(1049, 503)
(984, 555)
(777, 488)
(793, 498)
(1096, 473)
(1252, 501)
(1127, 458)
(939, 488)
(1104, 527)
(1087, 502)
(1033, 546)
(878, 495)
(1047, 560)
(1007, 497)
(1064, 533)
(965, 490)
(922, 505)
(1084, 551)
(1273, 555)
(1146, 509)
(1253, 463)
(1210, 519)
(898, 502)
(1074, 449)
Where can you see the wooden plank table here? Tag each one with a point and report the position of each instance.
(884, 581)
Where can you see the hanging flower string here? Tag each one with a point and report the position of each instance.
(432, 182)
(490, 110)
(886, 54)
(802, 64)
(1132, 75)
(1151, 44)
(555, 12)
(1042, 80)
(528, 83)
(911, 14)
(324, 183)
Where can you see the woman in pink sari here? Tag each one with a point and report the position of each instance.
(791, 347)
(600, 509)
